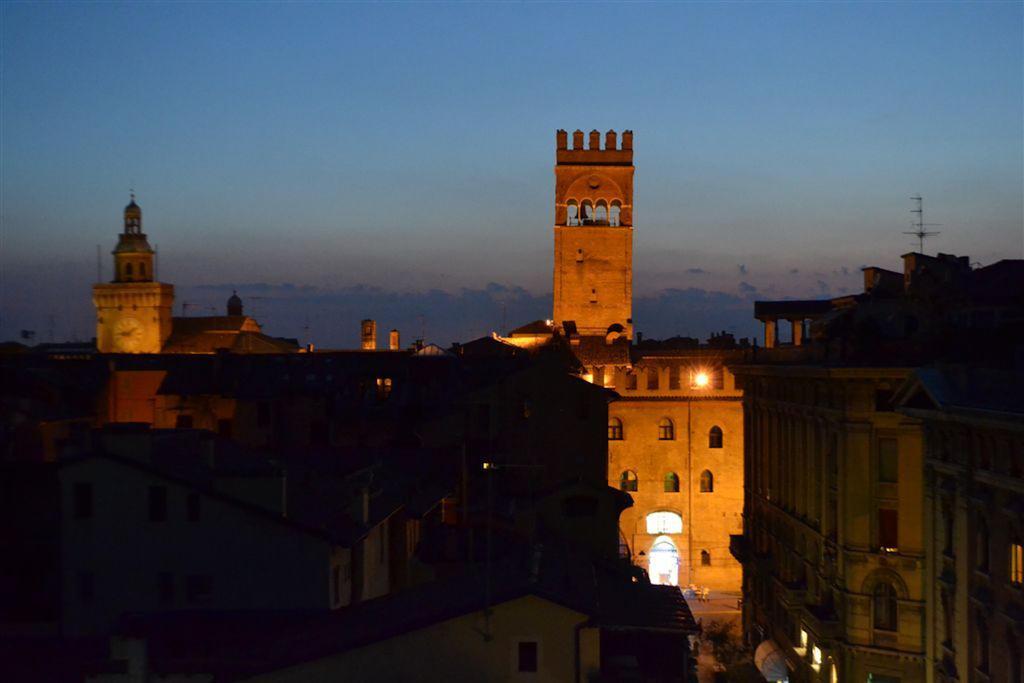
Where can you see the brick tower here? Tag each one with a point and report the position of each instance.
(594, 234)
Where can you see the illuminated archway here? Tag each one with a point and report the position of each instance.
(663, 563)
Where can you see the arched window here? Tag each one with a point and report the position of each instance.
(884, 616)
(715, 437)
(707, 482)
(628, 481)
(614, 213)
(705, 558)
(601, 212)
(666, 430)
(671, 483)
(664, 522)
(572, 213)
(614, 429)
(128, 270)
(142, 270)
(587, 212)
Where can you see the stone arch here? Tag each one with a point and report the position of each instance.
(883, 574)
(606, 188)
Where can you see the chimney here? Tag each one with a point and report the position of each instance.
(561, 139)
(369, 335)
(595, 140)
(394, 343)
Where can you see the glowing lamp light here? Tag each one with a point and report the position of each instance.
(701, 380)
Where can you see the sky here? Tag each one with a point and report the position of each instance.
(336, 161)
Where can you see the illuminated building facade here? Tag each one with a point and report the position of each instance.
(675, 434)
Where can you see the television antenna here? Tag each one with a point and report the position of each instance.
(919, 225)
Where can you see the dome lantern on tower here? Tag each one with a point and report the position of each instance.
(234, 304)
(133, 218)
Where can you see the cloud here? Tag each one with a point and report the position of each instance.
(696, 271)
(747, 288)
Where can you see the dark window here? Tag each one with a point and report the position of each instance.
(83, 500)
(157, 503)
(631, 381)
(183, 422)
(128, 269)
(528, 656)
(142, 269)
(166, 587)
(707, 482)
(194, 510)
(262, 414)
(888, 528)
(224, 428)
(671, 483)
(666, 430)
(86, 587)
(705, 558)
(715, 437)
(718, 378)
(884, 607)
(615, 429)
(198, 588)
(628, 481)
(652, 379)
(336, 584)
(673, 378)
(888, 461)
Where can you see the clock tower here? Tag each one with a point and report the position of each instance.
(133, 312)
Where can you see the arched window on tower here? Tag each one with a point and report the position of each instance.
(884, 616)
(715, 437)
(128, 271)
(142, 270)
(572, 213)
(587, 212)
(671, 483)
(614, 212)
(707, 482)
(666, 430)
(601, 212)
(628, 481)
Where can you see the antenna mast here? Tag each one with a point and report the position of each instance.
(919, 225)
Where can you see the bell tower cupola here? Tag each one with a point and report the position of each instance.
(133, 257)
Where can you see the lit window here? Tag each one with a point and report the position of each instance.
(888, 530)
(666, 430)
(664, 523)
(816, 658)
(614, 429)
(383, 387)
(707, 482)
(1016, 564)
(628, 481)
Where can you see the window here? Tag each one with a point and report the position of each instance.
(198, 588)
(128, 270)
(888, 461)
(572, 213)
(86, 587)
(981, 547)
(705, 558)
(1016, 564)
(673, 378)
(614, 429)
(183, 422)
(142, 270)
(527, 655)
(615, 213)
(157, 503)
(718, 378)
(383, 388)
(587, 212)
(165, 586)
(884, 607)
(628, 481)
(671, 483)
(666, 430)
(707, 482)
(888, 529)
(631, 381)
(83, 500)
(193, 507)
(601, 212)
(652, 379)
(715, 437)
(664, 523)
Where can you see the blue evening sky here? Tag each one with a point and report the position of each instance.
(409, 147)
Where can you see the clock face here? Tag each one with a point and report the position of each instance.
(128, 334)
